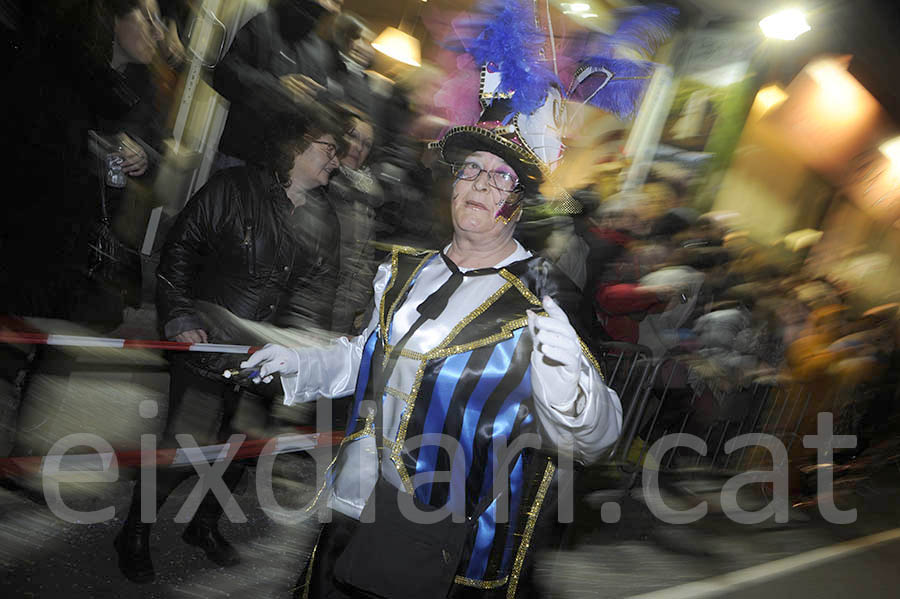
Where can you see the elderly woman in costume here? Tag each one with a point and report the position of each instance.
(471, 386)
(473, 342)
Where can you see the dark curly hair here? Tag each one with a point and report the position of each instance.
(289, 134)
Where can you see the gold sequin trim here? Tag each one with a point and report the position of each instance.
(529, 529)
(405, 353)
(481, 584)
(506, 332)
(403, 249)
(390, 284)
(397, 393)
(368, 429)
(524, 155)
(518, 284)
(590, 357)
(405, 415)
(390, 315)
(392, 445)
(309, 569)
(467, 319)
(315, 500)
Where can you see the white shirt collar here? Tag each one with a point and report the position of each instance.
(520, 253)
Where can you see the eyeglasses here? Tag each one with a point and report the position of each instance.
(501, 180)
(330, 148)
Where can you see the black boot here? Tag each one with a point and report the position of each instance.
(203, 530)
(204, 533)
(133, 546)
(133, 541)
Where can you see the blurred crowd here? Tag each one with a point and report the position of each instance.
(322, 165)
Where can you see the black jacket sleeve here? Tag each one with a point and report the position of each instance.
(243, 76)
(190, 242)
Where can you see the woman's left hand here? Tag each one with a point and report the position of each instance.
(134, 158)
(556, 346)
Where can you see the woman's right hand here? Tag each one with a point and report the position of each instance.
(192, 336)
(273, 359)
(134, 158)
(302, 88)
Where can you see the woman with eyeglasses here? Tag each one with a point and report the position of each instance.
(262, 244)
(469, 352)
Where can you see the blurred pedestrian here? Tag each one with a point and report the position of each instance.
(263, 244)
(85, 78)
(357, 197)
(276, 64)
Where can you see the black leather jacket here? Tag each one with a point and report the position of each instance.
(239, 243)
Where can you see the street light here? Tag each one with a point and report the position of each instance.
(785, 25)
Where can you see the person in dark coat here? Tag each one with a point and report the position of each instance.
(264, 245)
(83, 68)
(275, 63)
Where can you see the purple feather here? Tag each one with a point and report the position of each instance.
(642, 30)
(623, 93)
(505, 34)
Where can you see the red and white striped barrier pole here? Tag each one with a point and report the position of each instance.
(250, 448)
(79, 341)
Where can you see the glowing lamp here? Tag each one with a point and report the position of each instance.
(785, 25)
(770, 96)
(891, 149)
(399, 46)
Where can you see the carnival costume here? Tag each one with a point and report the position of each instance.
(450, 353)
(466, 374)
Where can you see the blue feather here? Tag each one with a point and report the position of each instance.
(642, 30)
(623, 92)
(646, 28)
(505, 34)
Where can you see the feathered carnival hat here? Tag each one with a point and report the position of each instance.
(523, 105)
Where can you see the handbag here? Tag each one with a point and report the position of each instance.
(110, 262)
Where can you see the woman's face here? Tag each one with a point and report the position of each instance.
(139, 32)
(313, 166)
(475, 203)
(360, 139)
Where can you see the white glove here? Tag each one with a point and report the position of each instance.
(557, 352)
(271, 359)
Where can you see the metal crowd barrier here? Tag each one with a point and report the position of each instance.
(665, 396)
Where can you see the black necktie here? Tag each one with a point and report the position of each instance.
(431, 308)
(436, 303)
